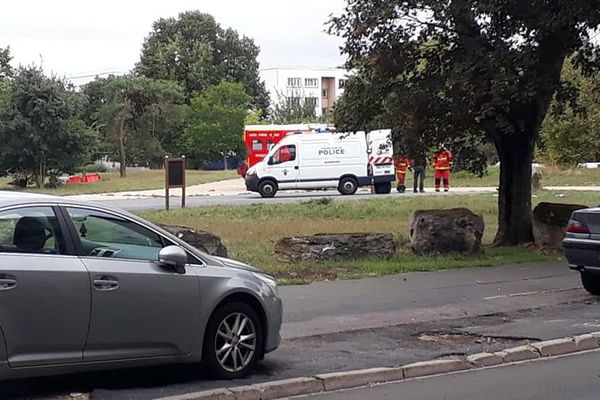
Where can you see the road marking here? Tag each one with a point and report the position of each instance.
(522, 294)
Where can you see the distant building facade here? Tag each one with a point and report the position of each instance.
(319, 86)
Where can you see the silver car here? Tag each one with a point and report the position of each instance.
(88, 287)
(582, 247)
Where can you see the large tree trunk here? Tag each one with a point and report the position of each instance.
(122, 150)
(514, 201)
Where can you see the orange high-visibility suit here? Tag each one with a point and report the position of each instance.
(442, 164)
(402, 164)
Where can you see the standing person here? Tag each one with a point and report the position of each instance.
(442, 164)
(401, 164)
(419, 165)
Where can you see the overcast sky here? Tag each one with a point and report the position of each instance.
(79, 38)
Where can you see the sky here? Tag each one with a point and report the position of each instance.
(79, 39)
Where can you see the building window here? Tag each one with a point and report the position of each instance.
(342, 83)
(311, 82)
(312, 101)
(325, 93)
(294, 101)
(294, 82)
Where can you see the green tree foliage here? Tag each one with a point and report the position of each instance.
(571, 132)
(215, 122)
(295, 108)
(40, 128)
(137, 117)
(196, 52)
(438, 70)
(6, 70)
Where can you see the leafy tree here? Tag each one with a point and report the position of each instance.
(40, 128)
(571, 132)
(467, 68)
(136, 116)
(215, 122)
(295, 108)
(6, 70)
(196, 52)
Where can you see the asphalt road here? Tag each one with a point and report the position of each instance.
(390, 321)
(146, 203)
(569, 377)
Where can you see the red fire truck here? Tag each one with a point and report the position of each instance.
(260, 138)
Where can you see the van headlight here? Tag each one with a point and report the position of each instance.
(269, 281)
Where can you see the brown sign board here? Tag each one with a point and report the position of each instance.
(174, 178)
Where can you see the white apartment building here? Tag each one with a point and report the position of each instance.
(321, 86)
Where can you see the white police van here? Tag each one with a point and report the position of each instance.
(345, 161)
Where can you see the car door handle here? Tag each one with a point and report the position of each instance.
(296, 167)
(7, 283)
(106, 283)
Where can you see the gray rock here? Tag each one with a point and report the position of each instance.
(205, 241)
(339, 247)
(457, 230)
(549, 223)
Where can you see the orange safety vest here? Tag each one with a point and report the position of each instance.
(402, 164)
(442, 160)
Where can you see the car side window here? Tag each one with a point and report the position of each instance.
(31, 230)
(284, 154)
(110, 236)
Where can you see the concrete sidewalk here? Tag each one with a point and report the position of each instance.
(236, 187)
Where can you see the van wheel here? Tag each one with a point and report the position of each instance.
(267, 189)
(591, 282)
(383, 188)
(348, 186)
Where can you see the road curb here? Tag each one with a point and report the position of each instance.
(361, 378)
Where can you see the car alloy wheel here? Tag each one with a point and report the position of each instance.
(235, 342)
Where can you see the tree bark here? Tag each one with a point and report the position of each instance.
(122, 150)
(225, 166)
(514, 200)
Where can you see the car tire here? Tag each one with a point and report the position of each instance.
(591, 282)
(348, 186)
(247, 342)
(383, 188)
(267, 189)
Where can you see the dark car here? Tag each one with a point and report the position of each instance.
(582, 247)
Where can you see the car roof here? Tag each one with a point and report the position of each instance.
(13, 198)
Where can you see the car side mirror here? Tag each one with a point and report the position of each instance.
(173, 257)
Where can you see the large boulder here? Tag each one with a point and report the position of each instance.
(340, 247)
(205, 241)
(456, 230)
(550, 222)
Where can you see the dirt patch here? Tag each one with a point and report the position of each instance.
(312, 274)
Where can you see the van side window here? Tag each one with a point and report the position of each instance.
(284, 154)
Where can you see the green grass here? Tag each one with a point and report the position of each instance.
(551, 177)
(135, 180)
(250, 231)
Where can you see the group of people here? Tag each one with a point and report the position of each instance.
(441, 163)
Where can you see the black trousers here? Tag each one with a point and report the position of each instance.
(419, 178)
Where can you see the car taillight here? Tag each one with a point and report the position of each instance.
(575, 226)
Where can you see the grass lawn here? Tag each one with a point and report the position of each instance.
(249, 232)
(135, 180)
(551, 177)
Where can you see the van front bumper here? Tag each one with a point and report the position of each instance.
(252, 182)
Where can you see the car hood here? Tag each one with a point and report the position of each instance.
(228, 263)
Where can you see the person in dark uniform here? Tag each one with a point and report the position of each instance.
(419, 165)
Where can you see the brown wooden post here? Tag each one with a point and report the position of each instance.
(167, 183)
(183, 166)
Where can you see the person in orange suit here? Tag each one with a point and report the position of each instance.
(442, 165)
(402, 164)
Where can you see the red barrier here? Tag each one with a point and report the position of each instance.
(85, 178)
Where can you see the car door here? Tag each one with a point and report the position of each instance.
(283, 166)
(44, 290)
(138, 308)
